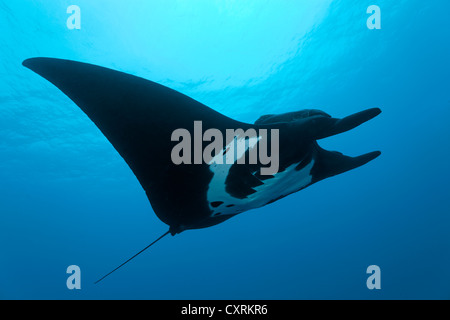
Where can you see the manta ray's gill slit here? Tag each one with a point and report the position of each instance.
(282, 184)
(216, 204)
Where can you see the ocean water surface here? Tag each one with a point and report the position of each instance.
(68, 198)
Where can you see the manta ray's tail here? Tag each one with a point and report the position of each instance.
(165, 234)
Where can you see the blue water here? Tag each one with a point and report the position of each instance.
(67, 197)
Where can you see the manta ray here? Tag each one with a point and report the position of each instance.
(139, 116)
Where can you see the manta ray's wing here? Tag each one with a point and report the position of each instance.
(138, 117)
